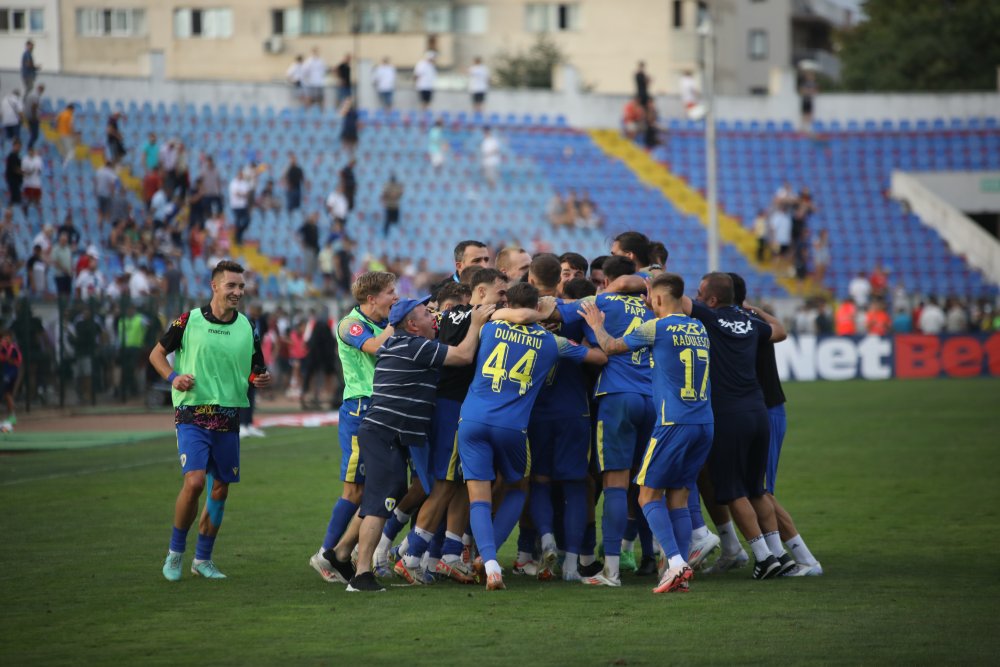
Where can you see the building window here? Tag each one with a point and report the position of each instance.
(757, 43)
(437, 19)
(678, 13)
(111, 22)
(24, 21)
(552, 17)
(472, 19)
(316, 22)
(286, 22)
(203, 23)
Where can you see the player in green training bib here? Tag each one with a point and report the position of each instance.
(217, 356)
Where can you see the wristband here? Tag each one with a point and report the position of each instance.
(172, 377)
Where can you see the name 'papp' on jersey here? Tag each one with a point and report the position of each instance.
(623, 314)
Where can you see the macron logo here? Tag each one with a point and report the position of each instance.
(218, 331)
(739, 328)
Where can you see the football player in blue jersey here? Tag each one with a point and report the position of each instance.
(625, 413)
(559, 436)
(512, 364)
(682, 436)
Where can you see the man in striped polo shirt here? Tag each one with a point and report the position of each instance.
(399, 417)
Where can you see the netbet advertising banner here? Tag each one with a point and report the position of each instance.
(881, 358)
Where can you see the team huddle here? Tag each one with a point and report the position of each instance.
(518, 395)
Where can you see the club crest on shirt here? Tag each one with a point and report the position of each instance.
(184, 460)
(390, 504)
(356, 329)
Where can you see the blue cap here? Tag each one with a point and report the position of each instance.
(402, 308)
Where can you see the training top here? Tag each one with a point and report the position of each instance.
(220, 355)
(510, 369)
(565, 393)
(359, 367)
(735, 336)
(624, 313)
(681, 385)
(455, 380)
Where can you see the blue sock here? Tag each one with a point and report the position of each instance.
(452, 547)
(659, 521)
(540, 506)
(342, 514)
(645, 536)
(589, 539)
(481, 519)
(526, 539)
(392, 527)
(694, 507)
(416, 544)
(559, 515)
(434, 549)
(507, 515)
(575, 516)
(203, 548)
(178, 540)
(614, 519)
(631, 530)
(681, 521)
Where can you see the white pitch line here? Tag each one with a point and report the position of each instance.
(129, 466)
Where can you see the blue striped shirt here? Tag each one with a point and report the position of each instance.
(405, 386)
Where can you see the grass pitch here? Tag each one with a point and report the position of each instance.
(892, 484)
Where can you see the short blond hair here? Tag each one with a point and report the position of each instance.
(371, 283)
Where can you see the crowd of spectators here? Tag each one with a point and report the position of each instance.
(573, 210)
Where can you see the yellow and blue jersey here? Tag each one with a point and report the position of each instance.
(623, 314)
(511, 366)
(681, 386)
(565, 392)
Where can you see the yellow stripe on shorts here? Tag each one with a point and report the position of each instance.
(641, 477)
(352, 463)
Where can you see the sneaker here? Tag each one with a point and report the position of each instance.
(547, 566)
(626, 562)
(602, 578)
(343, 568)
(571, 576)
(364, 583)
(592, 569)
(244, 432)
(6, 426)
(646, 567)
(380, 564)
(256, 432)
(322, 566)
(803, 570)
(701, 549)
(172, 566)
(528, 569)
(727, 562)
(207, 569)
(767, 568)
(412, 576)
(786, 564)
(673, 578)
(494, 582)
(456, 570)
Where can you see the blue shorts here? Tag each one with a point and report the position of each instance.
(484, 449)
(215, 452)
(386, 457)
(420, 458)
(624, 426)
(675, 455)
(8, 378)
(444, 441)
(779, 424)
(560, 448)
(738, 460)
(352, 467)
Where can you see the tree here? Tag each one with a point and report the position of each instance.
(530, 69)
(923, 45)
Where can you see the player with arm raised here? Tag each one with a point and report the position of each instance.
(682, 436)
(217, 356)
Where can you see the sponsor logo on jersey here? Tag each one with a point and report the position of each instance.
(739, 328)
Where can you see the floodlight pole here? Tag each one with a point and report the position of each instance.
(705, 29)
